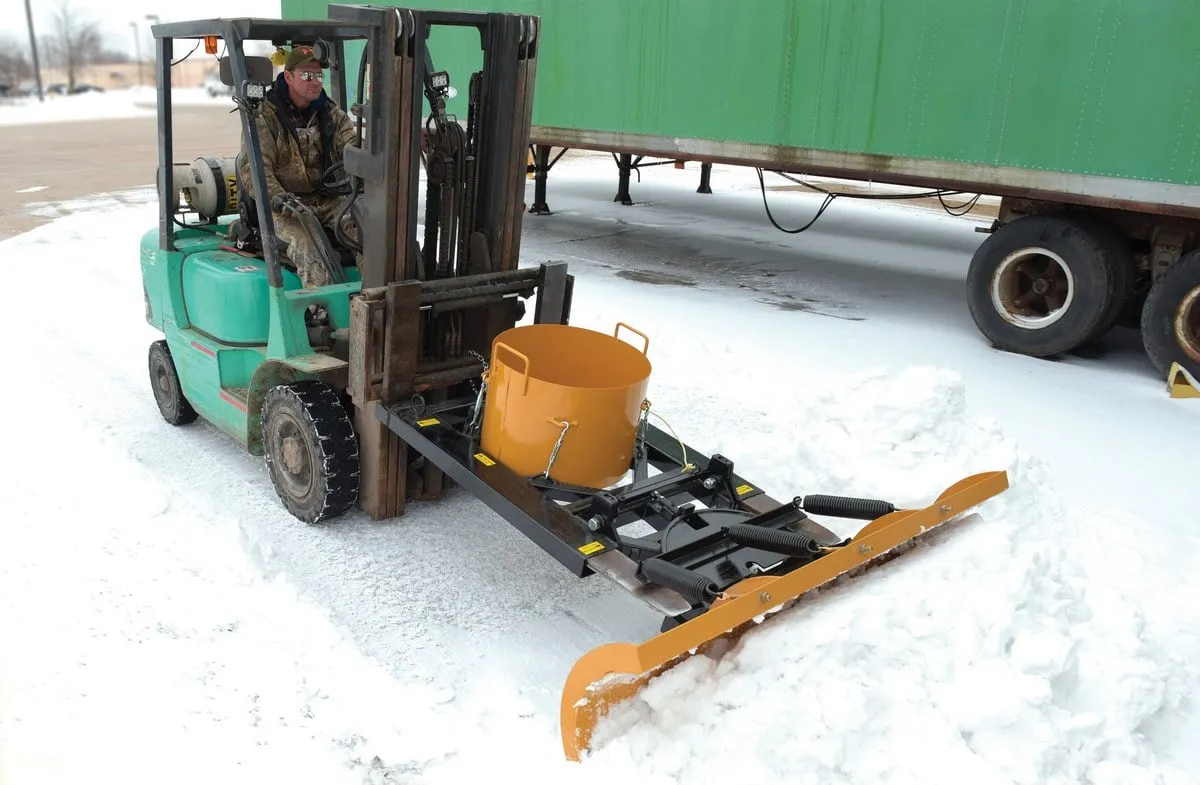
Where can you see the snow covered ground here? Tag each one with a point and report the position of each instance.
(128, 102)
(163, 616)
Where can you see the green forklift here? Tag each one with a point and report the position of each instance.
(385, 383)
(250, 350)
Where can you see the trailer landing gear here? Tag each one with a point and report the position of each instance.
(541, 174)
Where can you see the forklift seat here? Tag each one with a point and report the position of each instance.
(248, 213)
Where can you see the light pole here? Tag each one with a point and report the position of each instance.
(153, 20)
(137, 51)
(37, 68)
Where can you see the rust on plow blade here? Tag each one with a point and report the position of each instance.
(610, 674)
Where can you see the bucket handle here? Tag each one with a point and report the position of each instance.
(635, 331)
(524, 371)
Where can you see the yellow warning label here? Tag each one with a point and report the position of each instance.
(486, 461)
(744, 489)
(428, 421)
(231, 193)
(590, 548)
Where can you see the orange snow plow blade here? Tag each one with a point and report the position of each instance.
(610, 674)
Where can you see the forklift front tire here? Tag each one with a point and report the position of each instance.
(311, 450)
(168, 393)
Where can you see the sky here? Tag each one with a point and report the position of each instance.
(114, 16)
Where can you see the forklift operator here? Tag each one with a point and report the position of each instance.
(302, 133)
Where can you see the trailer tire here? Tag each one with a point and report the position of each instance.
(168, 392)
(311, 450)
(1071, 273)
(1171, 317)
(1120, 259)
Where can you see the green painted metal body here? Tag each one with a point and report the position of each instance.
(231, 336)
(1096, 99)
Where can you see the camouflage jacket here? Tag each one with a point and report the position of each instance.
(293, 157)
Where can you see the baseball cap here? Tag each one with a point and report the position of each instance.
(300, 55)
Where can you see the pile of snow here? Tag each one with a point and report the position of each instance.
(133, 102)
(72, 108)
(1004, 649)
(993, 653)
(180, 96)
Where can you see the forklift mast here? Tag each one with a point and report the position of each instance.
(431, 306)
(475, 165)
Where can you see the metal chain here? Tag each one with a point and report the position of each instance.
(480, 391)
(557, 446)
(482, 361)
(477, 415)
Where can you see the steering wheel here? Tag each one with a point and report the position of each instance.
(340, 186)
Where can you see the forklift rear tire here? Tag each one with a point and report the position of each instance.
(311, 450)
(168, 393)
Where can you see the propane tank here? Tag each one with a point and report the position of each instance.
(208, 185)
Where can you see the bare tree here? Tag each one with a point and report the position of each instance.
(108, 55)
(51, 57)
(74, 41)
(14, 66)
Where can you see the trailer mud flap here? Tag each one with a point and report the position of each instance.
(610, 674)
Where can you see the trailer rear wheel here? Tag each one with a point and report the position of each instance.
(1171, 317)
(1044, 285)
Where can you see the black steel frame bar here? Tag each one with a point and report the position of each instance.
(437, 433)
(261, 29)
(540, 519)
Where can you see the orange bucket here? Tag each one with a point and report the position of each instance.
(565, 401)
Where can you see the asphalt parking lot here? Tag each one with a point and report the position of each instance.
(68, 160)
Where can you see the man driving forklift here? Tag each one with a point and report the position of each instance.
(303, 134)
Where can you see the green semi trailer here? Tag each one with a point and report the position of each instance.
(1082, 115)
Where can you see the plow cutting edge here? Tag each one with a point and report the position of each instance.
(610, 674)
